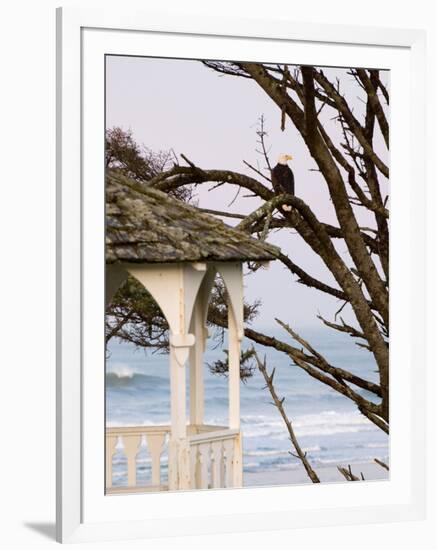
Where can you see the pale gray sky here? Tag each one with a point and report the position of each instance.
(212, 119)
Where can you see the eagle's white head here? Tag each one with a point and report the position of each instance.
(283, 159)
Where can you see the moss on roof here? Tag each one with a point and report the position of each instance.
(144, 225)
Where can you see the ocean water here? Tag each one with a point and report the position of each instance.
(328, 425)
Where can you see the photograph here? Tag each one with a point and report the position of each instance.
(246, 274)
(227, 336)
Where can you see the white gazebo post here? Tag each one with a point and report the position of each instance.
(197, 394)
(178, 450)
(199, 329)
(232, 274)
(175, 288)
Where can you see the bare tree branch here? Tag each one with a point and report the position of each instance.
(348, 475)
(382, 464)
(351, 120)
(279, 404)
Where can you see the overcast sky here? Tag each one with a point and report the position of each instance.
(212, 119)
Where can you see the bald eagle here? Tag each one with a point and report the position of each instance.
(283, 178)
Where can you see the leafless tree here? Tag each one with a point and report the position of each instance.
(356, 175)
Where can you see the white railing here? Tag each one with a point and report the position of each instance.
(130, 441)
(215, 459)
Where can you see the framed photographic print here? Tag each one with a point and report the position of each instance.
(240, 221)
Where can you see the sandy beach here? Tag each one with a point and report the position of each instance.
(327, 474)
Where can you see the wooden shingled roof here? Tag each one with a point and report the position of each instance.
(144, 225)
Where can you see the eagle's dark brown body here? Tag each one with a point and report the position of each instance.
(283, 179)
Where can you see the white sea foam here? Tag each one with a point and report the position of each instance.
(266, 453)
(281, 452)
(122, 370)
(323, 423)
(363, 459)
(331, 422)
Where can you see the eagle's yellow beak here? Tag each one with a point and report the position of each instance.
(288, 157)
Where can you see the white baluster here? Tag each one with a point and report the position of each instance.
(131, 444)
(216, 455)
(194, 467)
(111, 442)
(204, 451)
(237, 462)
(228, 461)
(222, 467)
(155, 443)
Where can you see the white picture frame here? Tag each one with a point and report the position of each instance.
(84, 36)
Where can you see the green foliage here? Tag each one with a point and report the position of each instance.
(247, 364)
(122, 153)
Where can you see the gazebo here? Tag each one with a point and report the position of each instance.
(175, 251)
